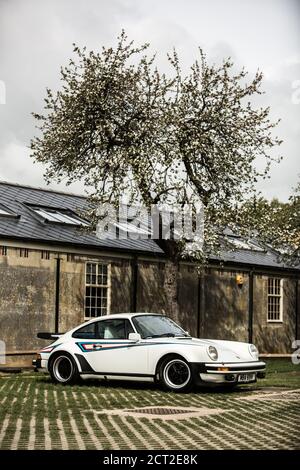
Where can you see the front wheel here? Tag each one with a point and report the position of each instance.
(63, 369)
(175, 374)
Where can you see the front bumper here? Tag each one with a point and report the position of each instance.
(227, 373)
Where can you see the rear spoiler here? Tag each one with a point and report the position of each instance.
(43, 335)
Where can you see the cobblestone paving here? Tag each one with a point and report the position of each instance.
(35, 414)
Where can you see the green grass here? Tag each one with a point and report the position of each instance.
(245, 424)
(280, 373)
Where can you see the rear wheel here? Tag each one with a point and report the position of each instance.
(175, 374)
(63, 369)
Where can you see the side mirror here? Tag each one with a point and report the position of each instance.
(134, 337)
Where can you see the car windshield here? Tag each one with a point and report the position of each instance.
(156, 326)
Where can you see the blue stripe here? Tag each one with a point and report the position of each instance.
(46, 347)
(122, 346)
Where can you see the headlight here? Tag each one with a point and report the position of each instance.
(253, 351)
(212, 352)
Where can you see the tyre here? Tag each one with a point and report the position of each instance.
(175, 374)
(63, 369)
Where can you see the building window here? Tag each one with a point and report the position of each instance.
(244, 244)
(59, 216)
(5, 212)
(24, 252)
(45, 254)
(274, 299)
(3, 250)
(97, 289)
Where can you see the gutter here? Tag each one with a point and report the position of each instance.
(259, 268)
(86, 246)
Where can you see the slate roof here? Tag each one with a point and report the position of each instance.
(29, 226)
(268, 259)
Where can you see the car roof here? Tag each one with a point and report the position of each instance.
(111, 316)
(124, 315)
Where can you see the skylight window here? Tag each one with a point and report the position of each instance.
(244, 244)
(59, 216)
(4, 212)
(128, 227)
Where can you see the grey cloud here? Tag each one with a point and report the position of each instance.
(36, 39)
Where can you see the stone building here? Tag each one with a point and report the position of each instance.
(54, 275)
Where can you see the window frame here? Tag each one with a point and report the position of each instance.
(126, 321)
(64, 216)
(157, 315)
(96, 329)
(5, 212)
(280, 296)
(107, 286)
(244, 244)
(81, 328)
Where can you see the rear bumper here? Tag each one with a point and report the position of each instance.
(39, 364)
(228, 373)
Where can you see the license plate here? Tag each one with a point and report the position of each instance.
(244, 378)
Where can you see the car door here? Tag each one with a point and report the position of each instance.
(111, 352)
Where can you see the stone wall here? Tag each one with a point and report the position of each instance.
(121, 286)
(26, 299)
(211, 305)
(224, 312)
(273, 337)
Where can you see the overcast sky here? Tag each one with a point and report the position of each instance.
(36, 39)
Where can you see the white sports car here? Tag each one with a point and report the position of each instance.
(147, 347)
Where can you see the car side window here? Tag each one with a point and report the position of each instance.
(114, 329)
(86, 332)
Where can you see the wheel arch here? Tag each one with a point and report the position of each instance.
(63, 352)
(168, 356)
